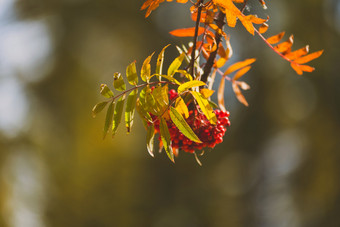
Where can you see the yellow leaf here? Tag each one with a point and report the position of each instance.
(206, 92)
(181, 107)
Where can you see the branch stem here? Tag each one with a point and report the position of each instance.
(193, 52)
(210, 62)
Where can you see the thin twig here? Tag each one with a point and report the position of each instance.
(193, 51)
(210, 62)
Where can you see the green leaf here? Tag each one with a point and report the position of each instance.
(150, 103)
(118, 82)
(160, 60)
(205, 107)
(141, 104)
(106, 91)
(98, 108)
(183, 126)
(117, 117)
(108, 119)
(166, 139)
(175, 64)
(212, 104)
(169, 78)
(150, 135)
(130, 109)
(145, 116)
(146, 69)
(161, 95)
(190, 84)
(131, 73)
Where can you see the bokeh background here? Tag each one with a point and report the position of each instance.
(277, 167)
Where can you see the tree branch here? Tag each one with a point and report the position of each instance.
(210, 62)
(193, 57)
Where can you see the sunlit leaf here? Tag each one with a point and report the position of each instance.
(239, 94)
(130, 109)
(106, 91)
(181, 107)
(150, 104)
(108, 118)
(118, 114)
(263, 28)
(276, 38)
(285, 46)
(206, 92)
(190, 84)
(170, 78)
(150, 135)
(239, 65)
(175, 64)
(309, 57)
(118, 82)
(185, 73)
(241, 72)
(299, 69)
(166, 139)
(98, 108)
(182, 125)
(187, 32)
(131, 73)
(205, 107)
(146, 69)
(160, 60)
(247, 24)
(297, 53)
(220, 95)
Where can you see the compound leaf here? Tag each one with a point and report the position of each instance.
(182, 125)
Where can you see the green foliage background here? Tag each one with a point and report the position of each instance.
(278, 165)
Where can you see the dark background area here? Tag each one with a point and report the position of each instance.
(279, 162)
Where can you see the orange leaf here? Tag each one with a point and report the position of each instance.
(254, 19)
(285, 46)
(276, 38)
(297, 53)
(239, 65)
(297, 68)
(238, 94)
(241, 72)
(220, 95)
(263, 28)
(187, 32)
(309, 57)
(247, 24)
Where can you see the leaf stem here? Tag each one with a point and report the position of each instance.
(271, 47)
(141, 85)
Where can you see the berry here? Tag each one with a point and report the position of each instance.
(209, 134)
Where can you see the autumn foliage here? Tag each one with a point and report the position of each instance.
(175, 103)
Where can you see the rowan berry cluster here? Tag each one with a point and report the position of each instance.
(209, 134)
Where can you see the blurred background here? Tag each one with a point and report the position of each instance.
(279, 162)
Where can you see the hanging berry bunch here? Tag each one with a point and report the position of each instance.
(175, 106)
